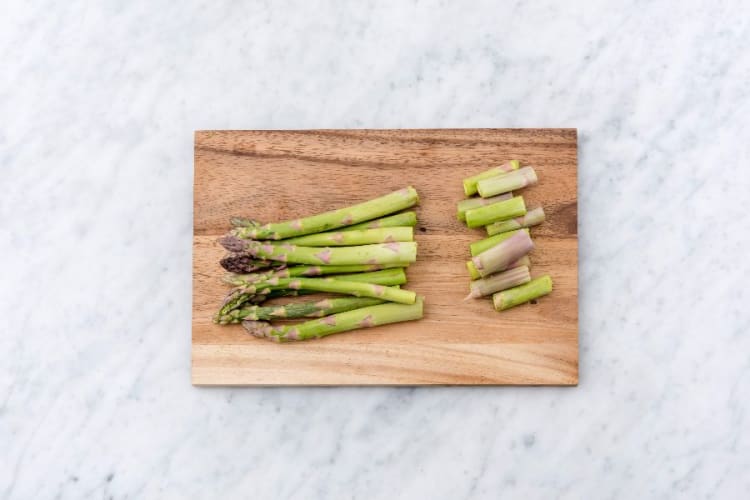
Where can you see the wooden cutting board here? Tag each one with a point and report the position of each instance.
(276, 175)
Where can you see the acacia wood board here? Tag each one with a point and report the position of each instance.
(279, 175)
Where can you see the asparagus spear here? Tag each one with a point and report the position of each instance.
(243, 262)
(502, 210)
(290, 272)
(533, 217)
(514, 296)
(365, 317)
(483, 245)
(504, 253)
(470, 183)
(382, 253)
(240, 295)
(354, 237)
(501, 281)
(474, 273)
(471, 203)
(507, 182)
(387, 277)
(314, 309)
(398, 220)
(378, 207)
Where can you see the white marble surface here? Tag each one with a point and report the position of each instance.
(98, 103)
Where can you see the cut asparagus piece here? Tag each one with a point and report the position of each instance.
(314, 309)
(365, 317)
(507, 182)
(523, 261)
(533, 217)
(386, 277)
(502, 210)
(501, 281)
(499, 257)
(470, 183)
(354, 237)
(398, 220)
(514, 296)
(472, 203)
(309, 271)
(483, 245)
(378, 207)
(382, 253)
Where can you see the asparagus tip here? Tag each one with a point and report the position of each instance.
(232, 243)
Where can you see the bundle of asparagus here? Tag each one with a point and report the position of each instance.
(361, 251)
(500, 264)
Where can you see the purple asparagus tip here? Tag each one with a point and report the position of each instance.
(232, 243)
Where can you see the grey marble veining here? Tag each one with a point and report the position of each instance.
(99, 101)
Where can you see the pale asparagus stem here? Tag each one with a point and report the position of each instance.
(523, 261)
(373, 209)
(290, 272)
(388, 277)
(514, 296)
(480, 246)
(507, 182)
(398, 220)
(470, 183)
(314, 309)
(472, 203)
(502, 210)
(504, 253)
(501, 281)
(382, 253)
(533, 217)
(365, 317)
(354, 237)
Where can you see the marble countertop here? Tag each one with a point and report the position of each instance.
(99, 102)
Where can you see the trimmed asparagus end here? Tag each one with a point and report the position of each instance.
(503, 210)
(497, 282)
(510, 181)
(533, 217)
(470, 183)
(480, 246)
(521, 294)
(499, 257)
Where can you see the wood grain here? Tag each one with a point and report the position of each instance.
(275, 175)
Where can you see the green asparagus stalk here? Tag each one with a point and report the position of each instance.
(502, 210)
(507, 182)
(382, 253)
(308, 271)
(387, 277)
(499, 257)
(471, 203)
(378, 207)
(474, 273)
(354, 237)
(314, 309)
(480, 246)
(240, 295)
(398, 220)
(501, 281)
(365, 317)
(518, 295)
(533, 217)
(470, 183)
